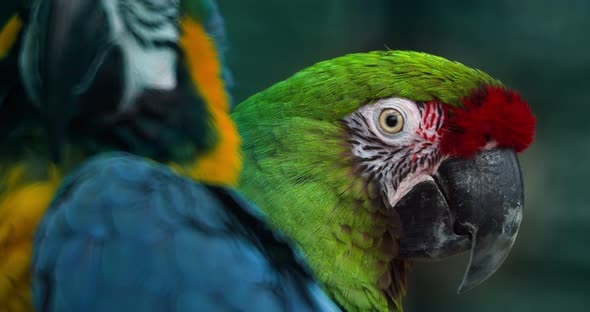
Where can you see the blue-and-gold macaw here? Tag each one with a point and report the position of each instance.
(155, 224)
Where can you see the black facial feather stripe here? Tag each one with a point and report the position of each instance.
(160, 6)
(129, 25)
(151, 18)
(440, 113)
(143, 26)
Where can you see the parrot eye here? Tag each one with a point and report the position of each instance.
(391, 120)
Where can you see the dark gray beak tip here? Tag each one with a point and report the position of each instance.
(487, 196)
(488, 253)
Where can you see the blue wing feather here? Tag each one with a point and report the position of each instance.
(127, 234)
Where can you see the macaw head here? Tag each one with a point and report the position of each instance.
(134, 75)
(409, 157)
(448, 170)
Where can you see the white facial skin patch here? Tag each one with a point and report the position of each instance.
(146, 66)
(397, 161)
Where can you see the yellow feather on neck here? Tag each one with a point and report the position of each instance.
(9, 34)
(23, 202)
(223, 163)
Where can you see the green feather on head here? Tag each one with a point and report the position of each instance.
(356, 79)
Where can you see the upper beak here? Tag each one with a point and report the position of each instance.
(64, 46)
(471, 204)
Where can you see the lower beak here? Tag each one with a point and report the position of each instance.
(470, 204)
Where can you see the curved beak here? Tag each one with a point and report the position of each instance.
(470, 204)
(64, 45)
(97, 72)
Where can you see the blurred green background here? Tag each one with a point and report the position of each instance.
(538, 47)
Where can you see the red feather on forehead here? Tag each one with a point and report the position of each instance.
(491, 114)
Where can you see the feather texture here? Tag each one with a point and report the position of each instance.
(298, 165)
(127, 234)
(42, 128)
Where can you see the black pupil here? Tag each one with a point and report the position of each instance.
(391, 120)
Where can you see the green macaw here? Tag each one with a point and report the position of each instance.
(152, 224)
(371, 161)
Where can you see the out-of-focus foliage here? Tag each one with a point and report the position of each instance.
(538, 47)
